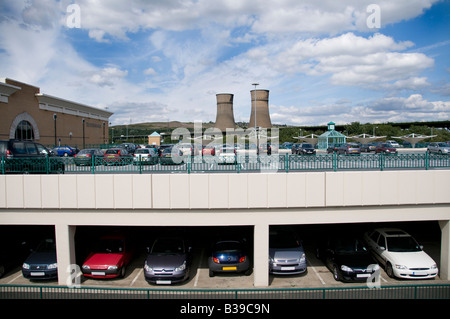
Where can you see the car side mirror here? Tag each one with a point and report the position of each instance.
(382, 248)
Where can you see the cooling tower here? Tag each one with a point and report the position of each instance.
(224, 117)
(262, 109)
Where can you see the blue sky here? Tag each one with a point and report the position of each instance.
(165, 60)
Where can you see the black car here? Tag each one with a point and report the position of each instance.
(347, 257)
(41, 263)
(229, 255)
(306, 149)
(29, 157)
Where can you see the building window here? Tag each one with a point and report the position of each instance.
(24, 131)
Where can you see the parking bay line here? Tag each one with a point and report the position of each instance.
(317, 274)
(198, 268)
(137, 276)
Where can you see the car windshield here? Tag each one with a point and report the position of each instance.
(168, 246)
(307, 146)
(349, 246)
(112, 152)
(402, 244)
(283, 240)
(46, 246)
(228, 246)
(142, 151)
(441, 144)
(110, 246)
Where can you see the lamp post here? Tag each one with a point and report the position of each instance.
(54, 121)
(256, 129)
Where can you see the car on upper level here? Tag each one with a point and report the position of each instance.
(333, 147)
(347, 257)
(305, 149)
(349, 149)
(88, 157)
(110, 257)
(286, 253)
(41, 263)
(386, 149)
(439, 148)
(226, 155)
(64, 151)
(393, 143)
(400, 254)
(209, 150)
(117, 156)
(145, 156)
(168, 261)
(171, 156)
(229, 255)
(370, 147)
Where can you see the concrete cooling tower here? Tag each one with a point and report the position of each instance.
(262, 109)
(225, 116)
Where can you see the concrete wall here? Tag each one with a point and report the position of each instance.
(225, 191)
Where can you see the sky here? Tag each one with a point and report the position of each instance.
(367, 61)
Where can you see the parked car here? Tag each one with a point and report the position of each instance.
(438, 147)
(393, 143)
(370, 147)
(64, 151)
(349, 149)
(347, 257)
(12, 253)
(145, 156)
(332, 148)
(168, 261)
(306, 149)
(88, 156)
(29, 157)
(385, 148)
(294, 148)
(171, 155)
(229, 255)
(286, 253)
(226, 155)
(400, 254)
(130, 147)
(42, 263)
(117, 156)
(109, 258)
(209, 150)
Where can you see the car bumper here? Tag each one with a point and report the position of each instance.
(232, 267)
(226, 159)
(101, 273)
(166, 277)
(356, 276)
(287, 269)
(40, 274)
(415, 274)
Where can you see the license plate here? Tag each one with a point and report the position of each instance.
(362, 275)
(98, 273)
(287, 268)
(163, 282)
(37, 274)
(229, 268)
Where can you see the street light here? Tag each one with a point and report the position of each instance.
(256, 130)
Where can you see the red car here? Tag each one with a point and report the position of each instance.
(110, 258)
(208, 150)
(117, 156)
(385, 148)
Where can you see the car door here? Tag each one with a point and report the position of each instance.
(380, 249)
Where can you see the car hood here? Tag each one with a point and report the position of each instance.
(101, 259)
(41, 258)
(286, 253)
(165, 260)
(354, 260)
(418, 259)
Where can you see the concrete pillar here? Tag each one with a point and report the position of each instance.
(444, 267)
(65, 254)
(261, 255)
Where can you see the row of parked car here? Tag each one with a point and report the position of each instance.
(169, 258)
(389, 147)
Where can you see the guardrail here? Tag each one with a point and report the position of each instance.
(242, 163)
(432, 291)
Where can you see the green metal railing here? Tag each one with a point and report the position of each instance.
(432, 291)
(242, 163)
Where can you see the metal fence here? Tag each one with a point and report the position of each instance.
(242, 163)
(433, 291)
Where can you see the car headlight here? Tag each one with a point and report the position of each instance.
(147, 267)
(401, 267)
(86, 267)
(112, 267)
(181, 267)
(303, 258)
(434, 266)
(346, 268)
(52, 266)
(25, 266)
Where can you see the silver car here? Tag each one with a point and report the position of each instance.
(438, 147)
(286, 253)
(168, 261)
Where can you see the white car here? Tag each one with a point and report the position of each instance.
(226, 155)
(400, 254)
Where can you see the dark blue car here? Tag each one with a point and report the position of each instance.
(41, 263)
(229, 255)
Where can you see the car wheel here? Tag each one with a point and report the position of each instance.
(248, 272)
(123, 271)
(336, 275)
(211, 273)
(389, 270)
(2, 271)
